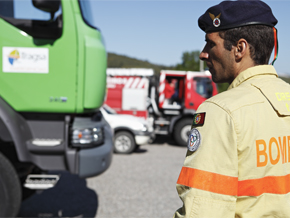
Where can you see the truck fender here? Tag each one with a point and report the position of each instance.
(123, 128)
(17, 128)
(4, 133)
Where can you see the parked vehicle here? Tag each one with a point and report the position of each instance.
(130, 131)
(52, 83)
(169, 101)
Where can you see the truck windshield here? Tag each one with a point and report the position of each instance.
(22, 9)
(204, 86)
(35, 22)
(86, 9)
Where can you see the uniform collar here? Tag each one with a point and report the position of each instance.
(251, 72)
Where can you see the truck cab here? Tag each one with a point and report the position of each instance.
(190, 89)
(175, 111)
(52, 84)
(167, 101)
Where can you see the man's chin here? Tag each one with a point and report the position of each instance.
(216, 79)
(212, 72)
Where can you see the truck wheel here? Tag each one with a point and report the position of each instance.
(10, 190)
(181, 131)
(124, 143)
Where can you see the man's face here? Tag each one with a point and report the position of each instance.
(219, 60)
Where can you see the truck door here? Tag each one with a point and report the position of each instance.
(174, 91)
(39, 56)
(199, 89)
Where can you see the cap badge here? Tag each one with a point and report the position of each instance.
(216, 19)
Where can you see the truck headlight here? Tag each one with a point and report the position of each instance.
(87, 137)
(144, 128)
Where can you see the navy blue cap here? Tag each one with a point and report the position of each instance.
(231, 14)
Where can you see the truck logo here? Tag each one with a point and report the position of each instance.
(57, 99)
(25, 60)
(13, 56)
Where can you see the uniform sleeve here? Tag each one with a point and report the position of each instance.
(208, 181)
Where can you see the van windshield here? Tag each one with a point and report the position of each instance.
(109, 110)
(87, 14)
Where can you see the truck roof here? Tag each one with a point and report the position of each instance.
(150, 72)
(178, 72)
(129, 72)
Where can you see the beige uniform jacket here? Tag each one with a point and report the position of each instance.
(241, 166)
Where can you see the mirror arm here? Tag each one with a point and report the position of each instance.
(51, 16)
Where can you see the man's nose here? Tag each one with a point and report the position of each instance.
(203, 55)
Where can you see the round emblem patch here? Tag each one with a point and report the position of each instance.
(194, 140)
(216, 22)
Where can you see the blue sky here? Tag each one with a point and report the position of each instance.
(160, 31)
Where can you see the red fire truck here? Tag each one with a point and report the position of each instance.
(169, 101)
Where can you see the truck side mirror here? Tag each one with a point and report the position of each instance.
(51, 6)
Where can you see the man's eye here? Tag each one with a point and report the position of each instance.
(211, 44)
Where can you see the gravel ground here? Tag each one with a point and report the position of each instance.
(141, 184)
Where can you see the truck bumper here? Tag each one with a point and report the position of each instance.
(142, 138)
(94, 161)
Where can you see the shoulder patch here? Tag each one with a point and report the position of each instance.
(198, 119)
(194, 140)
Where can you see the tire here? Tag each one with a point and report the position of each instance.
(181, 131)
(124, 143)
(10, 189)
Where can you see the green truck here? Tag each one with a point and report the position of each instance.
(52, 83)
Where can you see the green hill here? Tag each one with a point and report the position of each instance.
(122, 61)
(286, 79)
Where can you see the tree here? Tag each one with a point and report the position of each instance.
(190, 61)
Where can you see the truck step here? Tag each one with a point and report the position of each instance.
(162, 122)
(41, 181)
(171, 112)
(46, 142)
(161, 132)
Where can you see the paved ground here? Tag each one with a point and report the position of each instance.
(138, 185)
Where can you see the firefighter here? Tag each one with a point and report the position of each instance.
(171, 90)
(238, 158)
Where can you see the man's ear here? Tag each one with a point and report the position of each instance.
(240, 50)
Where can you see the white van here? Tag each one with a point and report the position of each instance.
(130, 131)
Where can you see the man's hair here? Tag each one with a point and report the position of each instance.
(259, 37)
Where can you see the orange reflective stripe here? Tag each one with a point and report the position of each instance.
(228, 185)
(208, 181)
(270, 184)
